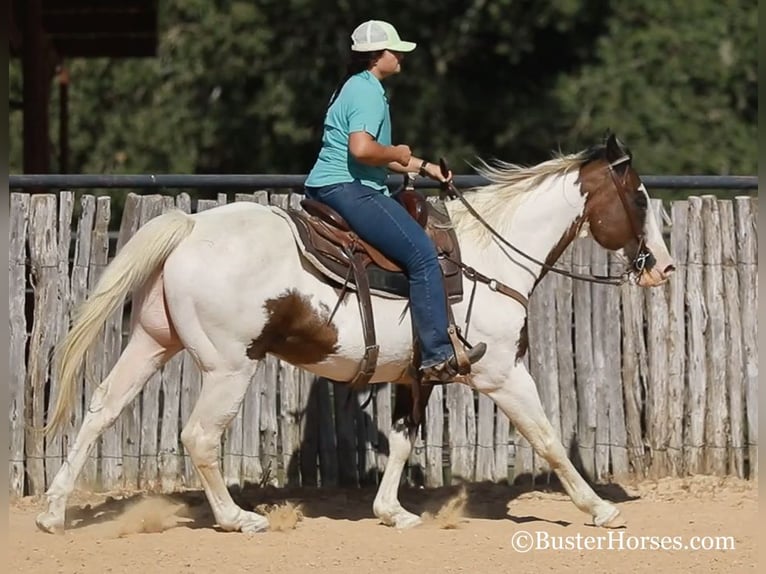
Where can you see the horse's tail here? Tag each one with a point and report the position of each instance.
(130, 269)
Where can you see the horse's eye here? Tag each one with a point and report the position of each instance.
(640, 200)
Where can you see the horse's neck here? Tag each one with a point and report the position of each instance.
(535, 224)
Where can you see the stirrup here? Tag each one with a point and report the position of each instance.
(448, 370)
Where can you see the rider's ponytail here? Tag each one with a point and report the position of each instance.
(358, 62)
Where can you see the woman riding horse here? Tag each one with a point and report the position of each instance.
(350, 174)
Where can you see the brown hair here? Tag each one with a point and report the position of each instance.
(357, 62)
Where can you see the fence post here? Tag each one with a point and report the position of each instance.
(148, 473)
(18, 331)
(657, 377)
(131, 414)
(747, 262)
(618, 436)
(717, 415)
(543, 364)
(435, 438)
(677, 338)
(43, 259)
(601, 350)
(565, 366)
(734, 358)
(584, 368)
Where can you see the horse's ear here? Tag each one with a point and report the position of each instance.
(614, 150)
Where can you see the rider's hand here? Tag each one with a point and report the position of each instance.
(403, 154)
(434, 171)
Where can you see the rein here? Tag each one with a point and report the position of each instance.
(638, 264)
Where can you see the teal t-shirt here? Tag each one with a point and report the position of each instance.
(360, 106)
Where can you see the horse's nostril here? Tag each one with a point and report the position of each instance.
(668, 270)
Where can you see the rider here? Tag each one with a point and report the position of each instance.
(350, 174)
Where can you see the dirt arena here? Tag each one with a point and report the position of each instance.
(465, 530)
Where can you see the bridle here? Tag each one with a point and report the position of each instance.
(637, 265)
(642, 254)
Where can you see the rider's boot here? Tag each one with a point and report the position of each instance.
(448, 370)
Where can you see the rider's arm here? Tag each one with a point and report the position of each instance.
(366, 150)
(412, 167)
(422, 167)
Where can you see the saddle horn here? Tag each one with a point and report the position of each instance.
(446, 186)
(408, 182)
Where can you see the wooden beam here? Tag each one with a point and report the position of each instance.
(14, 33)
(63, 83)
(98, 5)
(101, 23)
(36, 90)
(106, 47)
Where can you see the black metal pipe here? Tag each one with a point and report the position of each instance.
(267, 181)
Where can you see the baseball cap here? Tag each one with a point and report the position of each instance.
(378, 35)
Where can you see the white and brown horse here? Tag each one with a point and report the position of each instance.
(229, 286)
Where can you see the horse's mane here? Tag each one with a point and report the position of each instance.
(509, 185)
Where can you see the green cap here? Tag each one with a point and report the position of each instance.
(378, 35)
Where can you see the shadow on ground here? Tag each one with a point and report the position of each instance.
(484, 500)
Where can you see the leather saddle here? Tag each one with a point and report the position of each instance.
(332, 242)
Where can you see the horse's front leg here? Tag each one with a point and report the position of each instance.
(386, 506)
(518, 398)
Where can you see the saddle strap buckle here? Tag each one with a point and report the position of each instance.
(369, 362)
(367, 366)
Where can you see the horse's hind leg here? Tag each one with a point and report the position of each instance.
(142, 356)
(223, 389)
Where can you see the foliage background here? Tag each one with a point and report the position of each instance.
(241, 86)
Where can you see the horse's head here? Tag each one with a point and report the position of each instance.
(618, 215)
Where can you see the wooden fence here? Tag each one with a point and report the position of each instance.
(656, 382)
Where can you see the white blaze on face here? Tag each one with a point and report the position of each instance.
(664, 264)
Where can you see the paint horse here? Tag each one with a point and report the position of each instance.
(225, 281)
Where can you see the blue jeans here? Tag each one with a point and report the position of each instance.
(383, 223)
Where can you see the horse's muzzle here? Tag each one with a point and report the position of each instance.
(656, 275)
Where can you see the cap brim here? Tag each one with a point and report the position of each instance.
(402, 46)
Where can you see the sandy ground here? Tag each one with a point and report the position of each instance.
(334, 531)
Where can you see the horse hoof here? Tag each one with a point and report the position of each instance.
(614, 520)
(395, 516)
(255, 524)
(406, 520)
(49, 523)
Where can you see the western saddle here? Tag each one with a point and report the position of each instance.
(329, 239)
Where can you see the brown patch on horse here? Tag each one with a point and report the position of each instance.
(294, 331)
(610, 222)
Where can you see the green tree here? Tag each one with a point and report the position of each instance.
(677, 80)
(242, 86)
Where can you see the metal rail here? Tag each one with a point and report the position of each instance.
(266, 181)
